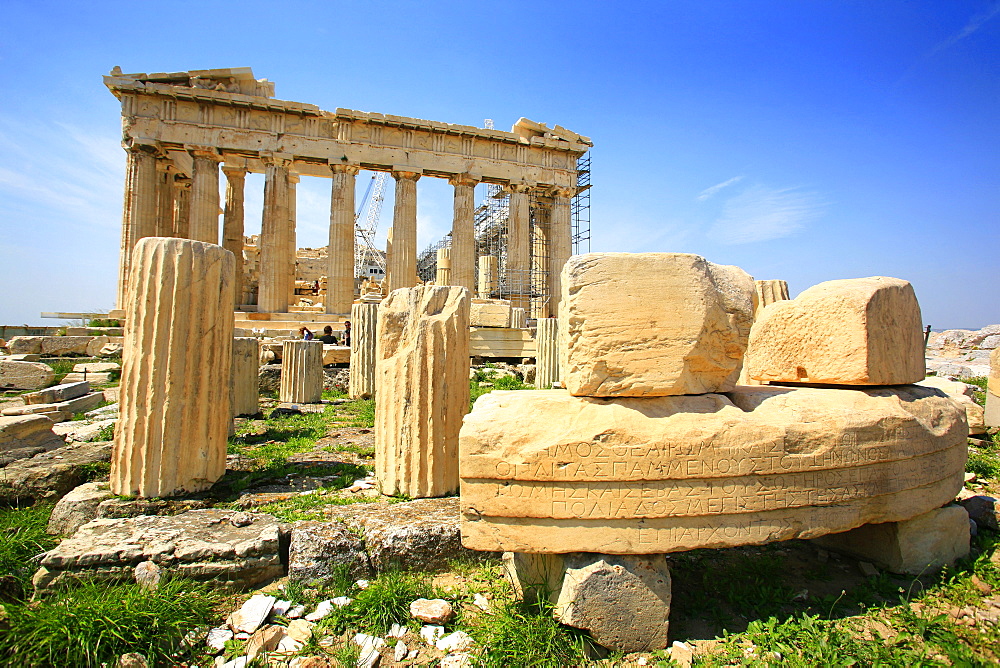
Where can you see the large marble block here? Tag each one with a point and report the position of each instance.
(652, 324)
(859, 331)
(422, 389)
(543, 471)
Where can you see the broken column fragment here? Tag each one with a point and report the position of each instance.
(652, 324)
(174, 407)
(245, 384)
(301, 372)
(547, 369)
(860, 331)
(364, 318)
(422, 389)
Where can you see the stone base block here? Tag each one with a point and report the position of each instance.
(18, 375)
(50, 475)
(27, 431)
(920, 545)
(622, 601)
(199, 544)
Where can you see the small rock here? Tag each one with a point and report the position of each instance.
(296, 612)
(459, 641)
(431, 633)
(288, 645)
(460, 660)
(413, 653)
(341, 601)
(397, 631)
(867, 569)
(132, 660)
(642, 661)
(970, 477)
(682, 653)
(217, 638)
(241, 520)
(370, 646)
(300, 629)
(362, 584)
(251, 614)
(400, 652)
(280, 608)
(481, 602)
(147, 575)
(264, 640)
(323, 608)
(432, 611)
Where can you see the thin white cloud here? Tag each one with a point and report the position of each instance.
(708, 192)
(971, 26)
(761, 213)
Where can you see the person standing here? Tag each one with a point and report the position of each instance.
(347, 332)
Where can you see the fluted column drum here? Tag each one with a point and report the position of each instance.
(245, 383)
(769, 292)
(422, 381)
(362, 376)
(174, 407)
(547, 354)
(301, 372)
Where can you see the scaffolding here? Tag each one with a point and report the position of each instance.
(491, 216)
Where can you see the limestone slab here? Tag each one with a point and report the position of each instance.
(318, 550)
(422, 389)
(652, 324)
(198, 544)
(543, 471)
(27, 431)
(916, 546)
(82, 404)
(57, 393)
(861, 331)
(50, 475)
(991, 415)
(18, 375)
(336, 354)
(489, 313)
(961, 393)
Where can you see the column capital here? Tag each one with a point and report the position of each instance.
(144, 145)
(519, 187)
(182, 181)
(234, 172)
(205, 153)
(406, 173)
(561, 191)
(276, 159)
(464, 179)
(294, 178)
(344, 168)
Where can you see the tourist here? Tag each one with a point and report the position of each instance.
(305, 334)
(328, 337)
(347, 332)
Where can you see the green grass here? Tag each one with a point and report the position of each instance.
(984, 463)
(22, 537)
(310, 506)
(93, 623)
(385, 602)
(516, 635)
(978, 395)
(502, 383)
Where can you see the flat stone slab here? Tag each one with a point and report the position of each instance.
(51, 475)
(27, 431)
(19, 375)
(373, 538)
(62, 392)
(199, 544)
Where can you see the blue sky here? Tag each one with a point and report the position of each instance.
(806, 140)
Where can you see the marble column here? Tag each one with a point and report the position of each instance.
(443, 275)
(540, 241)
(463, 240)
(244, 384)
(340, 263)
(139, 210)
(301, 372)
(293, 182)
(232, 222)
(182, 207)
(164, 198)
(487, 276)
(273, 289)
(403, 273)
(205, 197)
(176, 364)
(560, 243)
(518, 269)
(547, 353)
(364, 318)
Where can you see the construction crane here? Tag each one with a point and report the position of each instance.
(365, 252)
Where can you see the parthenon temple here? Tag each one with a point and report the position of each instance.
(180, 129)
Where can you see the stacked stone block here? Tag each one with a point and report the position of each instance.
(421, 375)
(174, 398)
(654, 448)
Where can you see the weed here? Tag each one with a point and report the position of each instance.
(105, 433)
(516, 635)
(983, 463)
(94, 470)
(385, 602)
(309, 506)
(94, 623)
(22, 538)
